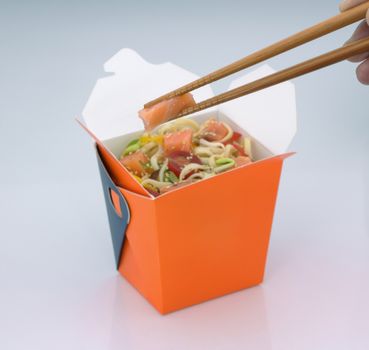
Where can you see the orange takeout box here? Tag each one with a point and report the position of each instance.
(207, 239)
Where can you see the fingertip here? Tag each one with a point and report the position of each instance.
(347, 4)
(359, 58)
(344, 5)
(362, 72)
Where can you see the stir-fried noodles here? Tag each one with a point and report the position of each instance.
(184, 151)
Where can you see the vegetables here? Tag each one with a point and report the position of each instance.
(222, 161)
(133, 146)
(162, 170)
(146, 138)
(171, 177)
(224, 164)
(239, 149)
(182, 152)
(179, 159)
(234, 141)
(235, 137)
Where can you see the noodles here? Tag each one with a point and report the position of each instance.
(178, 125)
(150, 148)
(182, 152)
(247, 146)
(163, 168)
(157, 184)
(203, 142)
(189, 168)
(154, 159)
(229, 151)
(207, 151)
(212, 160)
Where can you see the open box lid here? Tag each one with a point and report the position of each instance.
(111, 110)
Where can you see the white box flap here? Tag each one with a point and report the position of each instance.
(112, 108)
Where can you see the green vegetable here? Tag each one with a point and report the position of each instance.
(133, 146)
(170, 176)
(224, 164)
(133, 142)
(223, 161)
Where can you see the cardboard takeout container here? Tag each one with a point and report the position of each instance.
(206, 239)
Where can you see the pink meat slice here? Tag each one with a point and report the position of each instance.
(165, 110)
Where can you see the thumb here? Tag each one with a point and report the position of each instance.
(347, 4)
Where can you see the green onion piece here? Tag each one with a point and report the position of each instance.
(224, 164)
(133, 142)
(170, 176)
(133, 146)
(223, 161)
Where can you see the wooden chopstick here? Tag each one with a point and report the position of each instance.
(339, 21)
(332, 57)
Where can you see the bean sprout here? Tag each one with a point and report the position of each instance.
(154, 159)
(189, 168)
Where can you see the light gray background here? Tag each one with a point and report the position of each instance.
(58, 286)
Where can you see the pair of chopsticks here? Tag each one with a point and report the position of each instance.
(328, 26)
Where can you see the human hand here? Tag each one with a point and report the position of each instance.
(361, 32)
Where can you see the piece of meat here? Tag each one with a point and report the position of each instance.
(214, 131)
(135, 163)
(178, 141)
(165, 110)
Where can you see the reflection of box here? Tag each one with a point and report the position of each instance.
(200, 241)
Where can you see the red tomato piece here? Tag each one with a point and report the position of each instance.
(179, 159)
(240, 150)
(214, 131)
(178, 141)
(235, 137)
(135, 163)
(174, 167)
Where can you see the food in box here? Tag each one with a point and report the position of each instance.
(206, 239)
